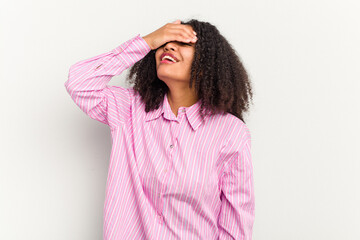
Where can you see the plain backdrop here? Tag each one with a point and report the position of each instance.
(302, 58)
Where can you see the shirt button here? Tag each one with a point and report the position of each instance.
(160, 218)
(171, 146)
(183, 110)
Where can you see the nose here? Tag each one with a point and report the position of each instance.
(170, 45)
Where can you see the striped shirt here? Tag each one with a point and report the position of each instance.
(169, 177)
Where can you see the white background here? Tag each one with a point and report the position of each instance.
(303, 60)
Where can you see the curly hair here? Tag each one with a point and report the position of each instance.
(221, 81)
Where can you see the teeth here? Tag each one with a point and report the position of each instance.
(168, 57)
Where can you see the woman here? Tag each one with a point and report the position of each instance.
(180, 164)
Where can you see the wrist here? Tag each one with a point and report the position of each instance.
(147, 40)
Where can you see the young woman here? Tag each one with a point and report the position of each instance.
(180, 164)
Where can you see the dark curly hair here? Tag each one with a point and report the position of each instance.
(221, 81)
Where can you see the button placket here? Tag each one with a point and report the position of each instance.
(177, 127)
(159, 201)
(160, 209)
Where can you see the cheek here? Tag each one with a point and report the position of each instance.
(157, 60)
(191, 56)
(190, 60)
(157, 55)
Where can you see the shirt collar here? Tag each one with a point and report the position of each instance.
(192, 113)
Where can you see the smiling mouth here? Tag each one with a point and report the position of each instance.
(167, 61)
(168, 58)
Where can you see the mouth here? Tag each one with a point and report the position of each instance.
(168, 58)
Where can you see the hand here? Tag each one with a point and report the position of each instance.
(174, 31)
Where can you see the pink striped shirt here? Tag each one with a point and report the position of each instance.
(169, 177)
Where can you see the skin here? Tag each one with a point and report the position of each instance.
(179, 40)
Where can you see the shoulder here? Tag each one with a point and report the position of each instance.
(233, 128)
(236, 135)
(125, 97)
(236, 142)
(124, 91)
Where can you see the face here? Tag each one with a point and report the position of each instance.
(183, 53)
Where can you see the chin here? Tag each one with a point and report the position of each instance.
(166, 77)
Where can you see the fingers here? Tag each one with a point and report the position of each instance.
(185, 31)
(188, 28)
(181, 36)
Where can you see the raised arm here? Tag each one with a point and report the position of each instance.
(87, 82)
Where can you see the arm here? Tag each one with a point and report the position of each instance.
(237, 214)
(87, 82)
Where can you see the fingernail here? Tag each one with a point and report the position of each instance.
(194, 32)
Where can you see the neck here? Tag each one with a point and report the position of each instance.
(181, 99)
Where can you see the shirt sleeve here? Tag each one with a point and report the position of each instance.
(237, 213)
(87, 82)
